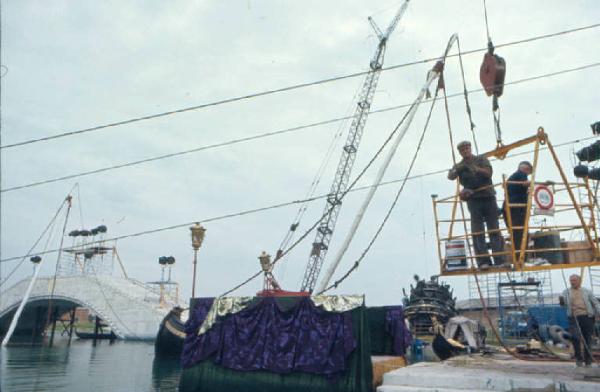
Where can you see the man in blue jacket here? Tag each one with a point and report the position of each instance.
(582, 308)
(518, 186)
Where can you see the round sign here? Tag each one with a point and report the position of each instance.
(543, 197)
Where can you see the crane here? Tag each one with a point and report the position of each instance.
(340, 183)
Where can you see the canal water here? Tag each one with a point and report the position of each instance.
(118, 366)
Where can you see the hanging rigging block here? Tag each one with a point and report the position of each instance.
(492, 73)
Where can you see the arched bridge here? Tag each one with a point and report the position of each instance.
(131, 308)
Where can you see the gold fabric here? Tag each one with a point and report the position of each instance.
(577, 304)
(338, 303)
(222, 307)
(230, 305)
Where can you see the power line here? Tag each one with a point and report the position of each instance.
(284, 89)
(281, 205)
(272, 133)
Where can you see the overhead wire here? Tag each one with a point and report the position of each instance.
(279, 132)
(30, 251)
(284, 204)
(350, 187)
(374, 238)
(280, 90)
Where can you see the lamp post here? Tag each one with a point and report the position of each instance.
(197, 237)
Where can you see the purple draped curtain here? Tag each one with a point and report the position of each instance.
(395, 326)
(264, 336)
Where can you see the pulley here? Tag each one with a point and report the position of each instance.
(492, 73)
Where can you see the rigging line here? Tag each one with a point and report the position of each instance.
(487, 28)
(286, 204)
(279, 132)
(317, 179)
(328, 211)
(29, 252)
(287, 88)
(62, 239)
(466, 95)
(393, 205)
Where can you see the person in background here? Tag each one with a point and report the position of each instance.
(582, 307)
(475, 175)
(517, 188)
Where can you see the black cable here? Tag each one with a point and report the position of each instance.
(274, 133)
(283, 89)
(394, 202)
(328, 211)
(286, 204)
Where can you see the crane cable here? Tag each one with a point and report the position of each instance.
(442, 86)
(357, 262)
(466, 95)
(318, 176)
(280, 255)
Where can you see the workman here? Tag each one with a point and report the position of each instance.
(517, 189)
(582, 307)
(475, 175)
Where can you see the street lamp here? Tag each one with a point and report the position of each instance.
(197, 237)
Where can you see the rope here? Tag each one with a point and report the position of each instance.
(280, 255)
(283, 89)
(466, 95)
(487, 28)
(392, 206)
(62, 239)
(29, 252)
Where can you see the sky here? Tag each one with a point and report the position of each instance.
(75, 65)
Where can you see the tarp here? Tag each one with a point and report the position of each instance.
(329, 358)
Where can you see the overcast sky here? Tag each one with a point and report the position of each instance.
(78, 64)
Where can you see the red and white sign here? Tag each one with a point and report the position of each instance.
(544, 200)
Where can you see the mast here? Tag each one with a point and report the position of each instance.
(340, 183)
(431, 76)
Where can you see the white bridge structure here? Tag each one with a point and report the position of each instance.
(132, 309)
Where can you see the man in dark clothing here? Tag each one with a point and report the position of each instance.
(517, 188)
(475, 175)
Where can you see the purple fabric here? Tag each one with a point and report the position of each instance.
(193, 343)
(302, 338)
(395, 326)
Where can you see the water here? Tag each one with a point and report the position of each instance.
(118, 366)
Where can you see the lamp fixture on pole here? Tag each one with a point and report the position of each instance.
(198, 233)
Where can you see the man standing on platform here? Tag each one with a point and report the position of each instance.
(475, 175)
(582, 307)
(517, 188)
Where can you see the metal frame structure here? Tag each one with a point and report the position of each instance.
(342, 176)
(518, 256)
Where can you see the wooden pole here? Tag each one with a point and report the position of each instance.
(54, 317)
(509, 220)
(71, 322)
(437, 233)
(96, 327)
(536, 152)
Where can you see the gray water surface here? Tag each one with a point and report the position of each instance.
(118, 366)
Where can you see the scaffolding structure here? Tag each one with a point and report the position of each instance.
(573, 202)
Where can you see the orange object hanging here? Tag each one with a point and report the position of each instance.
(492, 73)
